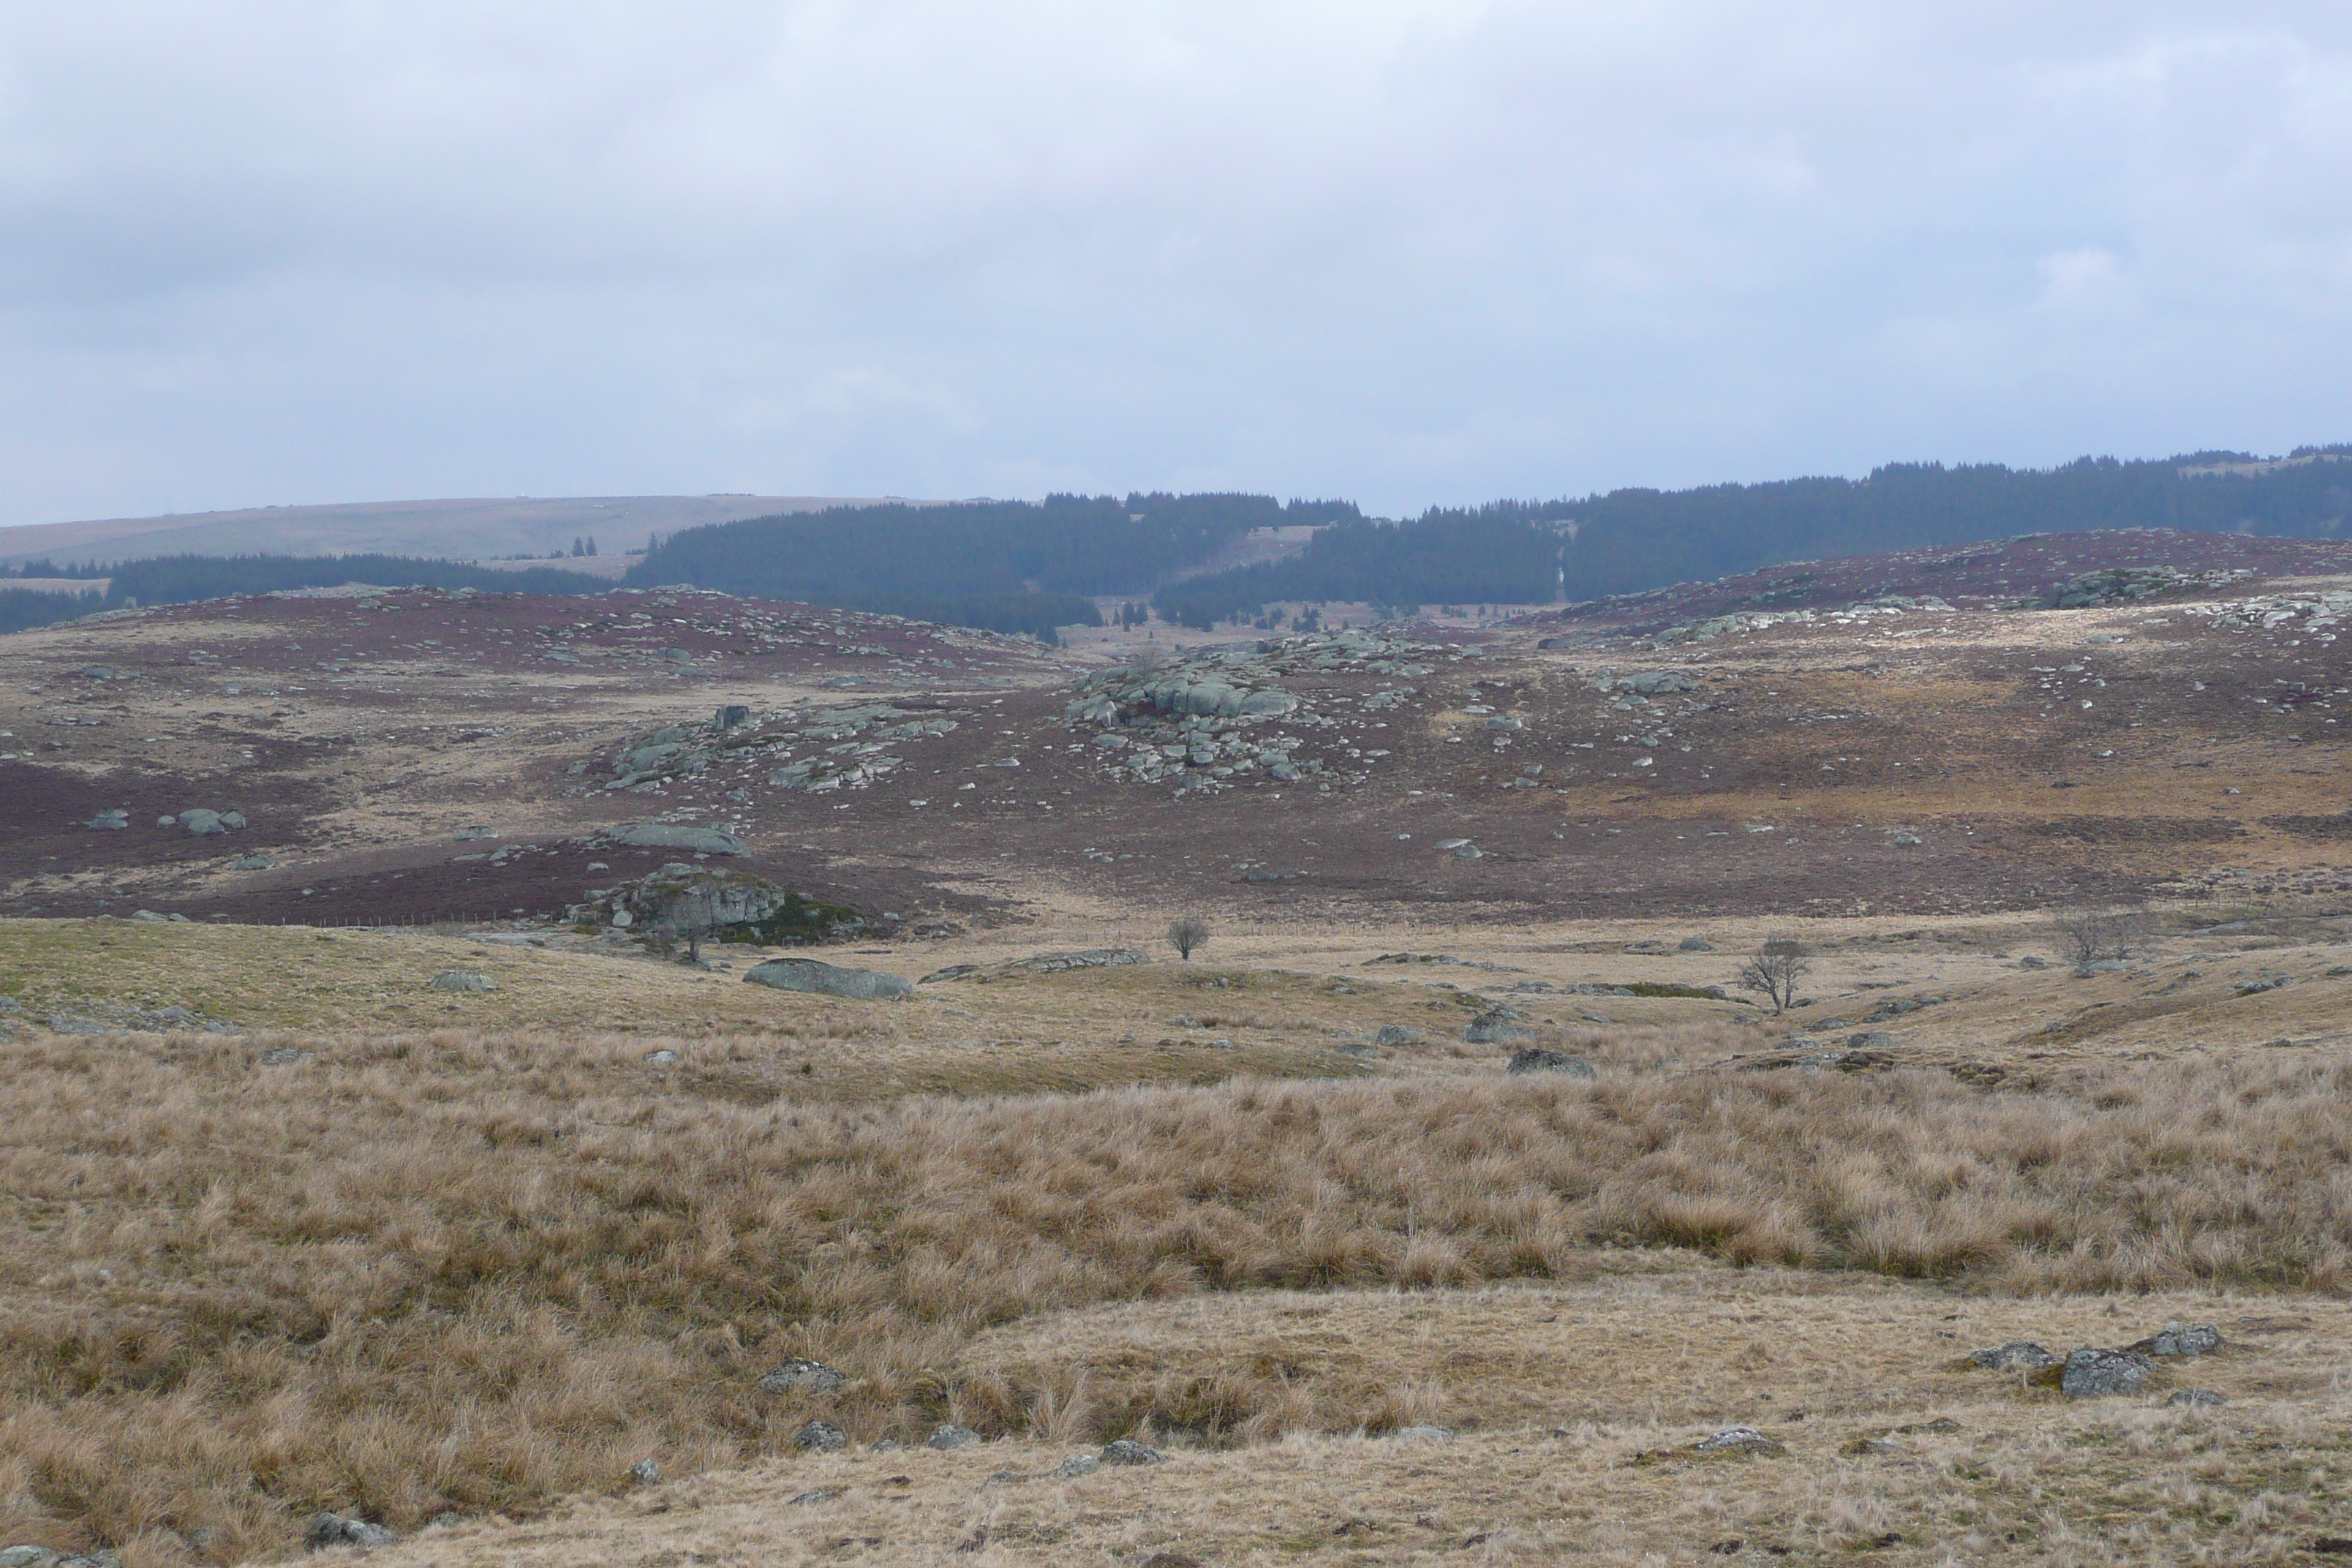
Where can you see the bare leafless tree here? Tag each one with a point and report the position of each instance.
(1186, 933)
(1775, 970)
(2084, 934)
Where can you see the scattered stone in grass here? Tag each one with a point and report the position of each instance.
(28, 1557)
(796, 1374)
(1396, 1035)
(952, 1437)
(1737, 1440)
(821, 1437)
(461, 980)
(1002, 1479)
(1535, 1060)
(2183, 1397)
(1940, 1424)
(2179, 1339)
(645, 1473)
(1078, 1464)
(660, 1059)
(1127, 1451)
(332, 1530)
(1494, 1026)
(2094, 1373)
(2014, 1354)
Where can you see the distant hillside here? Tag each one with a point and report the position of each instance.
(464, 528)
(185, 579)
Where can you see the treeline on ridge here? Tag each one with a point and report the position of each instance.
(1008, 567)
(1630, 541)
(1015, 566)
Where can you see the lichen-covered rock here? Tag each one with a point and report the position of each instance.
(1536, 1059)
(1493, 1026)
(461, 980)
(1739, 1440)
(2014, 1354)
(332, 1530)
(952, 1437)
(2094, 1373)
(821, 1437)
(2179, 1339)
(675, 835)
(1127, 1451)
(799, 1375)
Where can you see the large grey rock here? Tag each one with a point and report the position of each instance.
(826, 979)
(1535, 1060)
(2092, 1373)
(27, 1557)
(331, 1530)
(201, 822)
(802, 1375)
(1269, 704)
(675, 835)
(2014, 1354)
(821, 1437)
(952, 1437)
(690, 896)
(1396, 1035)
(461, 980)
(1078, 1464)
(2179, 1339)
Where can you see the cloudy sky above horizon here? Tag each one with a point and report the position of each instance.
(1407, 252)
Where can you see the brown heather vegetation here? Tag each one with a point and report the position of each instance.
(418, 1273)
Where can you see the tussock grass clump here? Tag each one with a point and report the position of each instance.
(417, 1274)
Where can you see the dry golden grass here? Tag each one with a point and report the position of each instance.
(479, 1270)
(1555, 1390)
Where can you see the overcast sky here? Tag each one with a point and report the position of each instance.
(1408, 251)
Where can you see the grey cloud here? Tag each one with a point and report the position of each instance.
(1410, 251)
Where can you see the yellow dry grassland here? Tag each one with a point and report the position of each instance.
(370, 1256)
(1556, 1410)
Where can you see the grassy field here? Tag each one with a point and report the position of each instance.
(480, 1263)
